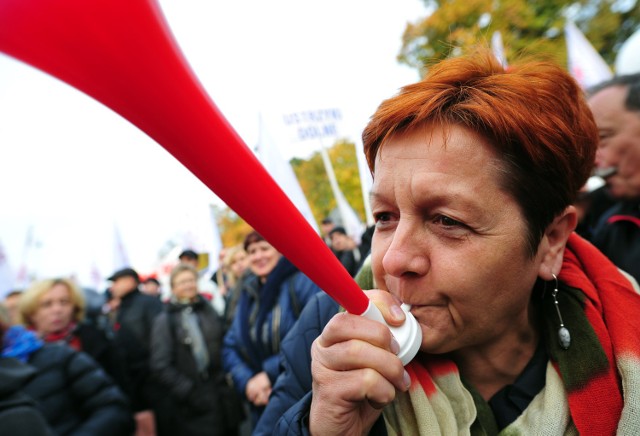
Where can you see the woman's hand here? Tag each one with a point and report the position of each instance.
(355, 370)
(258, 389)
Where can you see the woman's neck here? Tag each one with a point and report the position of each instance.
(492, 366)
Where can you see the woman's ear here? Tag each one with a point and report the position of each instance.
(554, 241)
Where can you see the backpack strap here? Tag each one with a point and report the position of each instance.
(295, 304)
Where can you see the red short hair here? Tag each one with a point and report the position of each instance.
(534, 115)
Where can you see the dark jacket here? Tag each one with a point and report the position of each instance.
(617, 235)
(75, 395)
(194, 403)
(295, 380)
(350, 259)
(264, 316)
(132, 339)
(288, 410)
(18, 413)
(94, 342)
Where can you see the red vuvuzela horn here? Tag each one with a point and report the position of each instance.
(121, 53)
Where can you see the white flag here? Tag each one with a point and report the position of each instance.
(498, 48)
(216, 240)
(281, 171)
(25, 273)
(350, 220)
(120, 256)
(7, 278)
(366, 181)
(95, 277)
(585, 63)
(628, 58)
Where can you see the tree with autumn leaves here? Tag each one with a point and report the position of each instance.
(314, 182)
(527, 28)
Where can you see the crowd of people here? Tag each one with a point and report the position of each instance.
(523, 282)
(198, 362)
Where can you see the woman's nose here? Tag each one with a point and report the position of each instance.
(407, 253)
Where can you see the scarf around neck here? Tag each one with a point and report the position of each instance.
(593, 388)
(187, 311)
(253, 312)
(66, 336)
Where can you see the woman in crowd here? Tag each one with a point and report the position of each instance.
(55, 310)
(235, 264)
(271, 300)
(71, 391)
(526, 328)
(185, 358)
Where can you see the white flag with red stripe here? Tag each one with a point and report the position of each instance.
(584, 62)
(7, 278)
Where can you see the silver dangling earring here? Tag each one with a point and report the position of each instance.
(564, 336)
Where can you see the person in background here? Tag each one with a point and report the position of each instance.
(326, 225)
(616, 108)
(219, 276)
(11, 302)
(71, 391)
(524, 323)
(186, 344)
(271, 301)
(365, 242)
(205, 285)
(55, 310)
(346, 250)
(151, 286)
(132, 314)
(235, 264)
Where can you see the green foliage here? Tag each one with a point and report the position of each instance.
(232, 228)
(527, 28)
(315, 183)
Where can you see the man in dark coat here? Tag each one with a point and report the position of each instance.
(345, 249)
(132, 337)
(616, 109)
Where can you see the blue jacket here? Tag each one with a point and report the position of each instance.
(295, 379)
(264, 316)
(288, 409)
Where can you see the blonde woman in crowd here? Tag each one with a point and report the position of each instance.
(55, 310)
(235, 264)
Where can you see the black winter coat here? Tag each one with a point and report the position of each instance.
(193, 405)
(132, 339)
(75, 395)
(18, 413)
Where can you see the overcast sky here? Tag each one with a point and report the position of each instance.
(72, 169)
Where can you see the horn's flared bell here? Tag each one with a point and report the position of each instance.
(122, 53)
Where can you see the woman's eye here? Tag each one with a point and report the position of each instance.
(447, 222)
(382, 217)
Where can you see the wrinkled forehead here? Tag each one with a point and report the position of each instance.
(446, 136)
